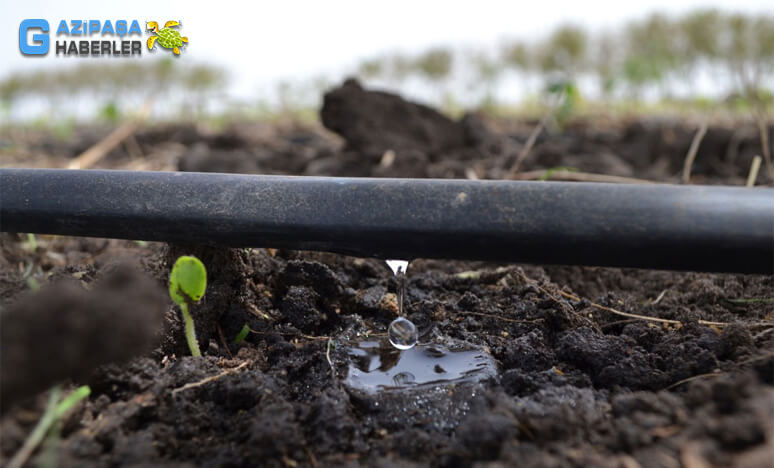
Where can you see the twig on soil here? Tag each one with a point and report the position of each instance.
(618, 322)
(660, 320)
(209, 379)
(751, 300)
(757, 358)
(618, 312)
(717, 373)
(328, 357)
(499, 317)
(691, 156)
(660, 296)
(256, 311)
(566, 307)
(763, 130)
(530, 143)
(223, 342)
(98, 151)
(754, 168)
(630, 315)
(573, 176)
(763, 333)
(692, 378)
(637, 316)
(312, 458)
(563, 304)
(308, 337)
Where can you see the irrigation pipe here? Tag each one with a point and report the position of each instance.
(701, 228)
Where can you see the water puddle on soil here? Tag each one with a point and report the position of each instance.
(400, 363)
(376, 366)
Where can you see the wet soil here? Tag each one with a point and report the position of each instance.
(577, 384)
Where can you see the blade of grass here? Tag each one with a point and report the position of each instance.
(571, 176)
(752, 300)
(549, 172)
(54, 410)
(37, 434)
(242, 334)
(71, 400)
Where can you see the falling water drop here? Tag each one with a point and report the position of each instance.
(402, 333)
(398, 266)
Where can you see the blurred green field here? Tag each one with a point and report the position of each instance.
(649, 66)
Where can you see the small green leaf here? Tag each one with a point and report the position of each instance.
(242, 334)
(188, 280)
(71, 400)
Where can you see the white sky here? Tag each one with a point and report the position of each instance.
(263, 42)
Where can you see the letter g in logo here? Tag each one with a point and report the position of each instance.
(41, 45)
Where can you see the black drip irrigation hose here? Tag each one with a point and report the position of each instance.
(701, 228)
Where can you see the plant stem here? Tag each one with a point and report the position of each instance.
(37, 434)
(190, 331)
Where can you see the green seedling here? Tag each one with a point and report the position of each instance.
(31, 245)
(71, 400)
(32, 283)
(242, 334)
(187, 283)
(55, 409)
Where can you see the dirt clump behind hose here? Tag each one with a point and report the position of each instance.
(64, 331)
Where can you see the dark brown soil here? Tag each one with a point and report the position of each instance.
(120, 318)
(578, 385)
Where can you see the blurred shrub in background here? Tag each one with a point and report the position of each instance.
(113, 88)
(655, 59)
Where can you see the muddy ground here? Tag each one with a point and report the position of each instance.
(578, 385)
